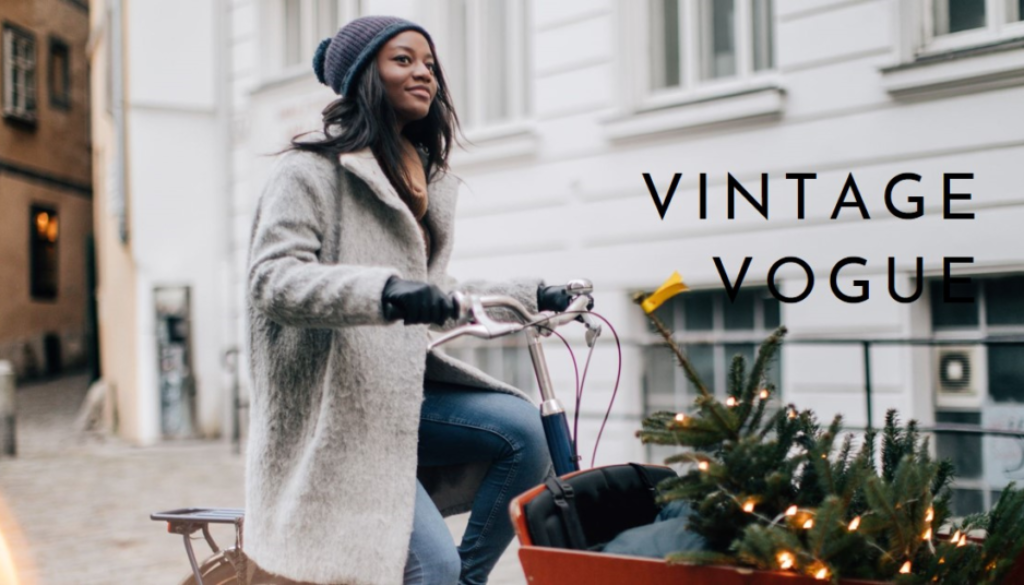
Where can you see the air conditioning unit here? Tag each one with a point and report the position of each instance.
(960, 376)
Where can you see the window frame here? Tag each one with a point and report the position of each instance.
(692, 86)
(471, 104)
(996, 29)
(639, 112)
(59, 101)
(25, 113)
(718, 336)
(273, 67)
(979, 331)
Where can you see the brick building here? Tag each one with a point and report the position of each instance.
(45, 186)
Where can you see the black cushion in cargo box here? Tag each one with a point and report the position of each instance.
(608, 500)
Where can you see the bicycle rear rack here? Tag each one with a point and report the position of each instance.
(186, 521)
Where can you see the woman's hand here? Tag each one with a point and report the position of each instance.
(556, 298)
(416, 302)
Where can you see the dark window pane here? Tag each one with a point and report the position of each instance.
(699, 309)
(1006, 373)
(763, 31)
(45, 230)
(702, 357)
(966, 14)
(962, 449)
(1004, 301)
(954, 314)
(772, 312)
(968, 502)
(739, 314)
(664, 28)
(718, 45)
(659, 378)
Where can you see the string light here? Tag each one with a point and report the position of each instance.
(854, 524)
(703, 466)
(942, 560)
(905, 569)
(809, 524)
(822, 574)
(792, 413)
(786, 560)
(791, 511)
(748, 506)
(956, 536)
(680, 417)
(730, 401)
(764, 394)
(963, 540)
(927, 535)
(929, 515)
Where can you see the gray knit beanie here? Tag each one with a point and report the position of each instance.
(339, 61)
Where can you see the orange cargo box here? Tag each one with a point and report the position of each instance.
(558, 566)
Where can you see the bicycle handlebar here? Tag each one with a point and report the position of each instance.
(472, 308)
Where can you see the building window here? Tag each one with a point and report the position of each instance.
(60, 74)
(955, 23)
(977, 384)
(44, 235)
(485, 63)
(19, 82)
(711, 329)
(294, 28)
(692, 42)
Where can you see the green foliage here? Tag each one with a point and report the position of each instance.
(853, 511)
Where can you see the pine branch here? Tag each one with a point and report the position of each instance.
(769, 347)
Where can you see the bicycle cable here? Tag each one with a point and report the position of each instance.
(580, 383)
(615, 388)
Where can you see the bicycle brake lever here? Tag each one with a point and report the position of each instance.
(593, 329)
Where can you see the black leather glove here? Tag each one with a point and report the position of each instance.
(556, 298)
(416, 302)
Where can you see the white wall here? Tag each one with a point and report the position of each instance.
(176, 157)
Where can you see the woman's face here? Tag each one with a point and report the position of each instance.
(406, 66)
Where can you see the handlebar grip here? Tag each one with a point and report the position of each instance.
(393, 312)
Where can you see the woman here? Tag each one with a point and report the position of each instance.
(353, 224)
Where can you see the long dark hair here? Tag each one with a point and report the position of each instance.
(367, 119)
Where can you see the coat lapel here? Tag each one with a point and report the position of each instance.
(441, 196)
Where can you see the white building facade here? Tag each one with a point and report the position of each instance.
(569, 104)
(159, 144)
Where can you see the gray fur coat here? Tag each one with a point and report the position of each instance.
(335, 403)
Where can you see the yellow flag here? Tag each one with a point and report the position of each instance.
(673, 286)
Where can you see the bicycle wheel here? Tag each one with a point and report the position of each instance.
(216, 570)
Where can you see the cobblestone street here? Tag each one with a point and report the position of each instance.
(75, 509)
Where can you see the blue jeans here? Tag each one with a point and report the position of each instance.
(462, 425)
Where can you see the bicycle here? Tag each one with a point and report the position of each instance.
(230, 566)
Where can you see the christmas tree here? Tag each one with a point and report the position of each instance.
(773, 488)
